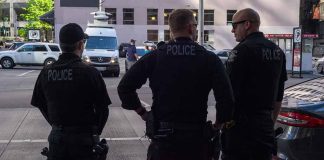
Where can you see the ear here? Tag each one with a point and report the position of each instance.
(190, 29)
(80, 45)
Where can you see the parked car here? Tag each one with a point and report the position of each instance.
(209, 47)
(16, 45)
(140, 51)
(319, 65)
(8, 43)
(30, 54)
(302, 120)
(223, 55)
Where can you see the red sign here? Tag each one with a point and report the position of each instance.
(296, 57)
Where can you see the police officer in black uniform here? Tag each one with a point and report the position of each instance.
(257, 70)
(72, 97)
(181, 74)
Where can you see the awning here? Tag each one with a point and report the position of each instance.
(48, 17)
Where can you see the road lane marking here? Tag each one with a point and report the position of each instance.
(45, 140)
(146, 105)
(20, 75)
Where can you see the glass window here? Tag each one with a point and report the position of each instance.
(4, 14)
(152, 35)
(112, 17)
(166, 15)
(39, 48)
(128, 16)
(208, 35)
(54, 48)
(195, 13)
(26, 48)
(152, 16)
(230, 14)
(167, 36)
(288, 45)
(99, 42)
(4, 31)
(209, 17)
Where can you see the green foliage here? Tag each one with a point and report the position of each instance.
(36, 8)
(22, 32)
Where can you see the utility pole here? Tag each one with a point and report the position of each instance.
(201, 22)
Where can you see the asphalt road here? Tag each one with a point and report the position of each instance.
(23, 130)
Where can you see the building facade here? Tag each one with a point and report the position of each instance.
(147, 19)
(10, 19)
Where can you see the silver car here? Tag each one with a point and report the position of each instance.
(319, 65)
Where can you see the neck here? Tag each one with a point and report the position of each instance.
(175, 36)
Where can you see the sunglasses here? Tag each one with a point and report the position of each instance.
(234, 24)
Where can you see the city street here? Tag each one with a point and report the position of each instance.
(24, 131)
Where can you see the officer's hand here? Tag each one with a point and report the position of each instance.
(218, 126)
(142, 112)
(144, 116)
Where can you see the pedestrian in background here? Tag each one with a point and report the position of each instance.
(131, 55)
(181, 75)
(72, 97)
(257, 70)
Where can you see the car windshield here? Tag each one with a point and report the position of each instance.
(98, 42)
(208, 47)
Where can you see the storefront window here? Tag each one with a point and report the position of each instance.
(307, 45)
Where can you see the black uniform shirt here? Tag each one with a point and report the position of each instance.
(71, 93)
(181, 75)
(257, 70)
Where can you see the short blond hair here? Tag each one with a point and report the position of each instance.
(179, 19)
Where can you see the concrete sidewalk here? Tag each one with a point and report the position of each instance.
(295, 80)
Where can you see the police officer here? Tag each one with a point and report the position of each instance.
(181, 75)
(131, 55)
(257, 71)
(72, 97)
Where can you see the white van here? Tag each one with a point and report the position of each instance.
(101, 49)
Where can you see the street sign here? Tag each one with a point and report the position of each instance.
(34, 34)
(297, 51)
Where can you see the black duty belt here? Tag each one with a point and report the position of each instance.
(75, 129)
(182, 126)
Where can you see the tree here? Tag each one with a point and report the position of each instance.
(34, 9)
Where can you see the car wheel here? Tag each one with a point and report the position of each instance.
(49, 61)
(7, 63)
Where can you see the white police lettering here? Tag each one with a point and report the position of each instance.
(59, 75)
(270, 54)
(181, 50)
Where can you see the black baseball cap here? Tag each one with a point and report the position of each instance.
(71, 33)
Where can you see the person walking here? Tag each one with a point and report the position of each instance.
(181, 75)
(131, 55)
(73, 98)
(257, 70)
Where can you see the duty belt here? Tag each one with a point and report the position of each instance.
(75, 129)
(182, 126)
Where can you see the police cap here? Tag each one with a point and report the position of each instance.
(71, 33)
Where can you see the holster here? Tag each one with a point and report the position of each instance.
(213, 137)
(100, 148)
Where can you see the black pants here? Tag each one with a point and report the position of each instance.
(179, 151)
(253, 140)
(70, 146)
